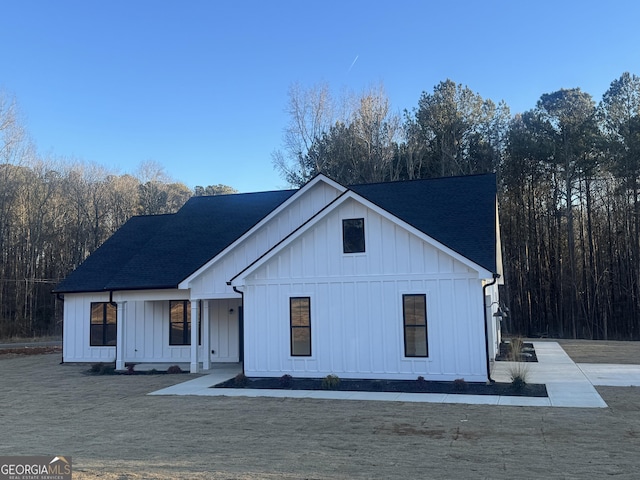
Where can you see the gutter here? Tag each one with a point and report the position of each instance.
(496, 276)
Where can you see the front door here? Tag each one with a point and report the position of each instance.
(224, 331)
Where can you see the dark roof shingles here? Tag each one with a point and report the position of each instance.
(160, 251)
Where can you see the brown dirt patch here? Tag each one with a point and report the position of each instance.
(601, 351)
(114, 431)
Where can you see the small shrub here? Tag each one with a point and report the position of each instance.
(330, 382)
(174, 369)
(518, 382)
(421, 384)
(107, 369)
(96, 367)
(377, 385)
(286, 381)
(460, 385)
(518, 370)
(130, 370)
(240, 380)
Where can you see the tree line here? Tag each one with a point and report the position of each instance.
(568, 175)
(55, 212)
(568, 184)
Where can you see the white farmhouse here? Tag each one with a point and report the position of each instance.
(386, 281)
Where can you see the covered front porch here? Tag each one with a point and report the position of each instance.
(169, 329)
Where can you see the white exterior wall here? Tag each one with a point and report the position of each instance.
(77, 320)
(356, 305)
(146, 324)
(212, 282)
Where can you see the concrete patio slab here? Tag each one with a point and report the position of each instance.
(609, 375)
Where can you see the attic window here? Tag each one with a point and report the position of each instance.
(353, 235)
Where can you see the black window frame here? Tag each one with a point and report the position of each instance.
(293, 328)
(415, 327)
(184, 323)
(107, 330)
(353, 237)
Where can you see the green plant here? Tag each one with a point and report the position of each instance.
(130, 368)
(421, 383)
(240, 380)
(286, 381)
(96, 367)
(107, 369)
(460, 385)
(330, 382)
(377, 385)
(174, 369)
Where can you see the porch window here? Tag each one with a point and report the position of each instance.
(180, 323)
(300, 318)
(353, 235)
(103, 324)
(414, 312)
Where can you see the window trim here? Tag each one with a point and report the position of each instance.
(344, 236)
(103, 325)
(293, 327)
(405, 327)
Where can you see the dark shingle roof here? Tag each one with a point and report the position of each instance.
(161, 251)
(154, 252)
(459, 212)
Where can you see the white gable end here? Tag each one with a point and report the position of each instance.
(210, 280)
(356, 304)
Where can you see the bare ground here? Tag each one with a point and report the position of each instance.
(114, 431)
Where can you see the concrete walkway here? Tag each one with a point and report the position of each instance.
(568, 384)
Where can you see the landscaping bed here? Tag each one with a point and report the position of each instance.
(516, 351)
(364, 385)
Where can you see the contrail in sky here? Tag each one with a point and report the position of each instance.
(353, 63)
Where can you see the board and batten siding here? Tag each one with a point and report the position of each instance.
(146, 334)
(356, 305)
(211, 282)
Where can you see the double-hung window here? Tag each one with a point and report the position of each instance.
(300, 323)
(414, 312)
(103, 324)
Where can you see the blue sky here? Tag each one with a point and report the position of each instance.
(200, 87)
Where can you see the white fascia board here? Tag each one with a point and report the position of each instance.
(499, 265)
(315, 180)
(238, 280)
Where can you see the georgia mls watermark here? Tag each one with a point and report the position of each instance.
(35, 468)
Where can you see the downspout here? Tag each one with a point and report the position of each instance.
(496, 276)
(60, 297)
(114, 304)
(240, 325)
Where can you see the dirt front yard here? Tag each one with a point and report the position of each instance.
(113, 430)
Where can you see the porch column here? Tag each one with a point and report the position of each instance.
(194, 336)
(206, 340)
(120, 318)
